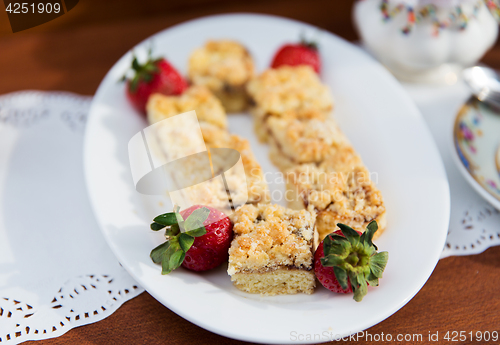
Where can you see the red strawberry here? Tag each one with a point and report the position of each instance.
(198, 238)
(155, 76)
(347, 261)
(303, 53)
(210, 250)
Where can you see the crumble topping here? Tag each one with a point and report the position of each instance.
(257, 188)
(290, 89)
(208, 108)
(305, 141)
(349, 196)
(268, 237)
(220, 63)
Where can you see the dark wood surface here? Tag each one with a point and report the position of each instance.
(74, 52)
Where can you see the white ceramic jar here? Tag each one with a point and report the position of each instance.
(425, 53)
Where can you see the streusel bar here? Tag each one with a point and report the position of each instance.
(208, 108)
(244, 186)
(224, 67)
(288, 92)
(272, 250)
(342, 193)
(214, 137)
(294, 142)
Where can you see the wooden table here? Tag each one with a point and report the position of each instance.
(75, 51)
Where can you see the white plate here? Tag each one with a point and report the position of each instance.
(476, 148)
(383, 124)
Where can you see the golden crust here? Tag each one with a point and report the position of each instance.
(347, 196)
(290, 89)
(224, 67)
(271, 237)
(208, 108)
(219, 63)
(303, 141)
(216, 138)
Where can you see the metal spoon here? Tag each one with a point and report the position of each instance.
(484, 83)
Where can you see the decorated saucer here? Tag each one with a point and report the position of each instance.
(476, 138)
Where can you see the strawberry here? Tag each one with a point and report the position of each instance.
(347, 261)
(303, 53)
(198, 238)
(154, 76)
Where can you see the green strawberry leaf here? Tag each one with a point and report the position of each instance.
(340, 247)
(166, 219)
(185, 241)
(378, 263)
(157, 226)
(349, 233)
(172, 231)
(361, 290)
(196, 219)
(176, 260)
(331, 241)
(180, 220)
(197, 232)
(146, 77)
(151, 68)
(334, 236)
(341, 276)
(158, 252)
(372, 279)
(353, 278)
(354, 259)
(134, 84)
(367, 236)
(327, 244)
(331, 260)
(173, 257)
(135, 64)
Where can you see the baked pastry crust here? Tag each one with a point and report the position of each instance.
(224, 67)
(208, 108)
(300, 141)
(246, 186)
(347, 196)
(258, 191)
(286, 89)
(288, 92)
(272, 244)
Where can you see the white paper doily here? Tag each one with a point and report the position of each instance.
(56, 270)
(474, 223)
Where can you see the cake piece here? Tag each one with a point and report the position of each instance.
(198, 178)
(339, 192)
(272, 250)
(258, 191)
(294, 142)
(208, 108)
(224, 67)
(288, 92)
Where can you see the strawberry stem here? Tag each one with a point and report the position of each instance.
(142, 72)
(179, 234)
(354, 258)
